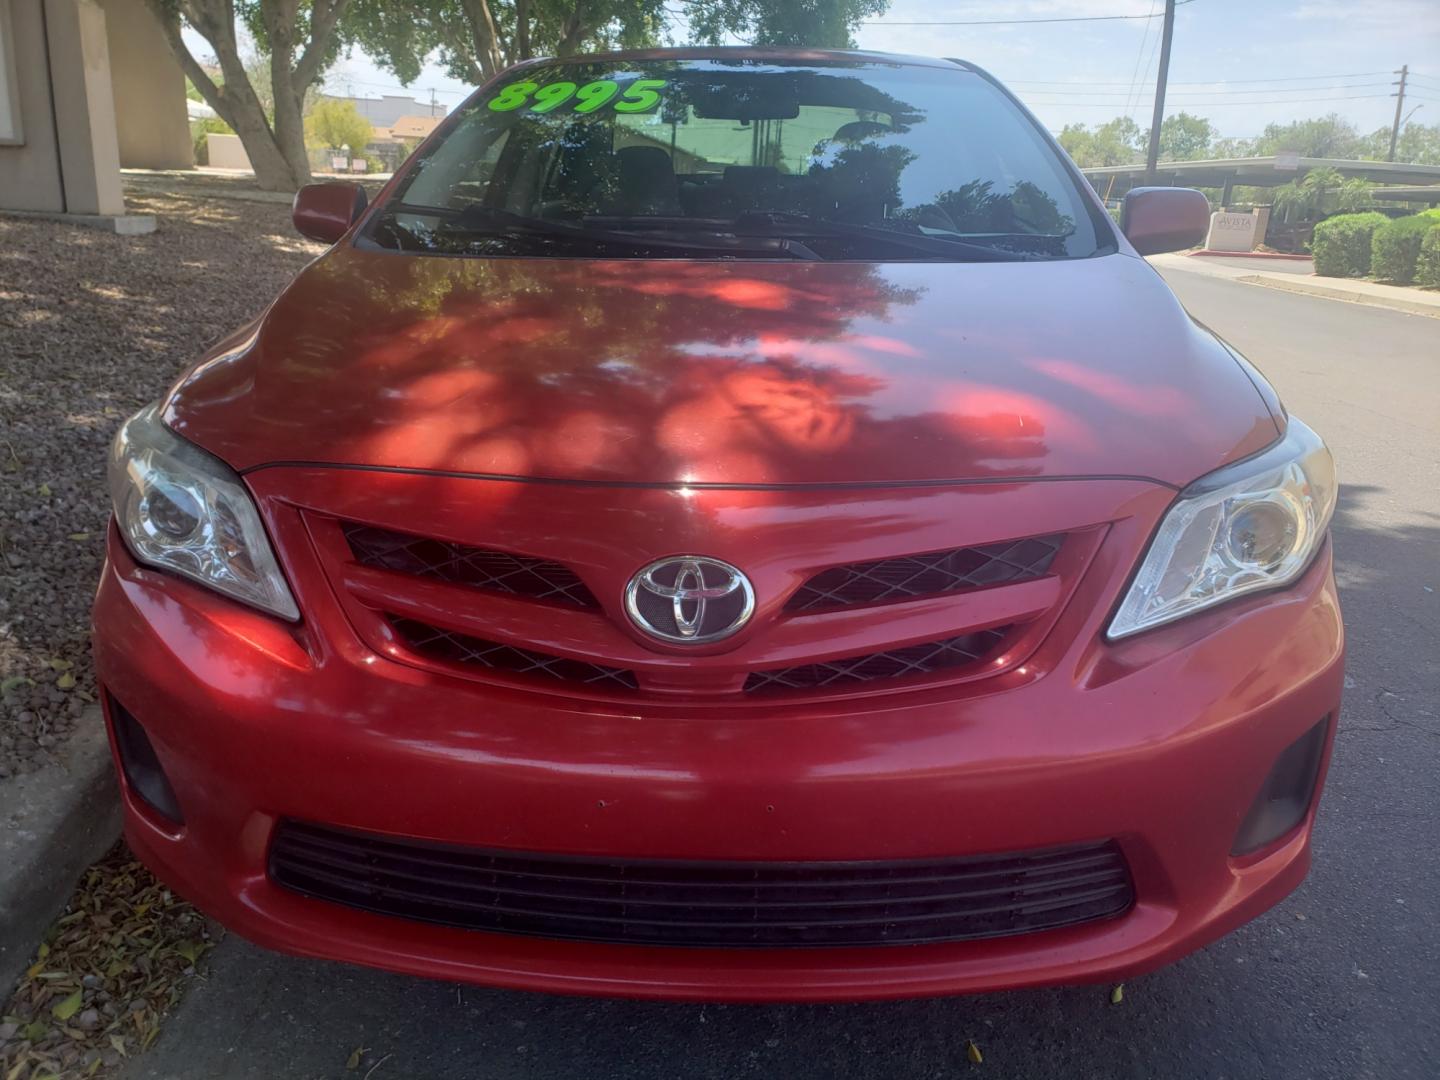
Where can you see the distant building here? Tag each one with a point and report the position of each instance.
(384, 111)
(414, 127)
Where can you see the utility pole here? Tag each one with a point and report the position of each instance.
(1153, 156)
(1404, 74)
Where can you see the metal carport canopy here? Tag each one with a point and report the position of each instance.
(1258, 172)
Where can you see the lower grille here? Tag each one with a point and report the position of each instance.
(699, 904)
(893, 663)
(438, 644)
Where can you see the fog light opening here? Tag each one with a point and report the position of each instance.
(141, 766)
(1285, 797)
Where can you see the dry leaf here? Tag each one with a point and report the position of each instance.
(69, 1007)
(1118, 994)
(66, 681)
(353, 1061)
(973, 1052)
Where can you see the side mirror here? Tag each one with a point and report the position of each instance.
(1156, 219)
(325, 212)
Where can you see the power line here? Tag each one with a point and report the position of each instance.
(1219, 104)
(1202, 82)
(1022, 22)
(1212, 92)
(1135, 72)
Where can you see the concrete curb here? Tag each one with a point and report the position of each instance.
(1308, 288)
(1247, 255)
(54, 823)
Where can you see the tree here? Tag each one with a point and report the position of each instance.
(1319, 193)
(1185, 138)
(1323, 137)
(816, 23)
(1117, 142)
(1232, 148)
(1417, 144)
(334, 124)
(298, 38)
(474, 39)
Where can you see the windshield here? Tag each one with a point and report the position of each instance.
(741, 159)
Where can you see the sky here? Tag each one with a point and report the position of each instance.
(1241, 63)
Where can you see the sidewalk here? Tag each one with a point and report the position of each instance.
(1396, 297)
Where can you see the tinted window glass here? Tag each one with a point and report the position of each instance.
(680, 153)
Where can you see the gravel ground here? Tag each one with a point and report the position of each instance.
(92, 326)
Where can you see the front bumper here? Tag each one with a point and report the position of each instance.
(1161, 743)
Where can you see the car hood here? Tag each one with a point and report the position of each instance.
(681, 372)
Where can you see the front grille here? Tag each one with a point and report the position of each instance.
(437, 644)
(912, 576)
(716, 904)
(480, 568)
(893, 663)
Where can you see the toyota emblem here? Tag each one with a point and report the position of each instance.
(689, 599)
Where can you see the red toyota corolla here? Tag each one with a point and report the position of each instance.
(732, 525)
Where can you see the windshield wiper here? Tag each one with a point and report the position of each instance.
(934, 245)
(489, 220)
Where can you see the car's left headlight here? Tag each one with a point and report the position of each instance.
(183, 510)
(1250, 526)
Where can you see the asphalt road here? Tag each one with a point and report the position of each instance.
(1341, 980)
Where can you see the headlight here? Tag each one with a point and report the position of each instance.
(184, 511)
(1250, 526)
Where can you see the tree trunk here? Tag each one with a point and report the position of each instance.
(522, 29)
(277, 153)
(289, 122)
(485, 34)
(576, 29)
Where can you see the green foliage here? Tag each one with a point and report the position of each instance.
(475, 38)
(199, 129)
(1184, 137)
(334, 124)
(1341, 245)
(1323, 137)
(1427, 266)
(1395, 247)
(1119, 142)
(1322, 191)
(815, 23)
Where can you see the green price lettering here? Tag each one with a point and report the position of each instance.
(513, 96)
(593, 95)
(640, 96)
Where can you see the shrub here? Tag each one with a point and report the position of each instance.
(1427, 266)
(1395, 248)
(1341, 244)
(199, 129)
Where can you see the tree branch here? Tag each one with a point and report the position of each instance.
(323, 20)
(575, 30)
(485, 35)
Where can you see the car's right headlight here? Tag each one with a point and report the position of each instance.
(185, 511)
(1250, 526)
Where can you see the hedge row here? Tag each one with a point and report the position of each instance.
(1341, 244)
(1427, 267)
(1403, 250)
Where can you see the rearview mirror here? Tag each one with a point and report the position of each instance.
(1156, 219)
(325, 212)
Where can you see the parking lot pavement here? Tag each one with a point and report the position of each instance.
(1341, 980)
